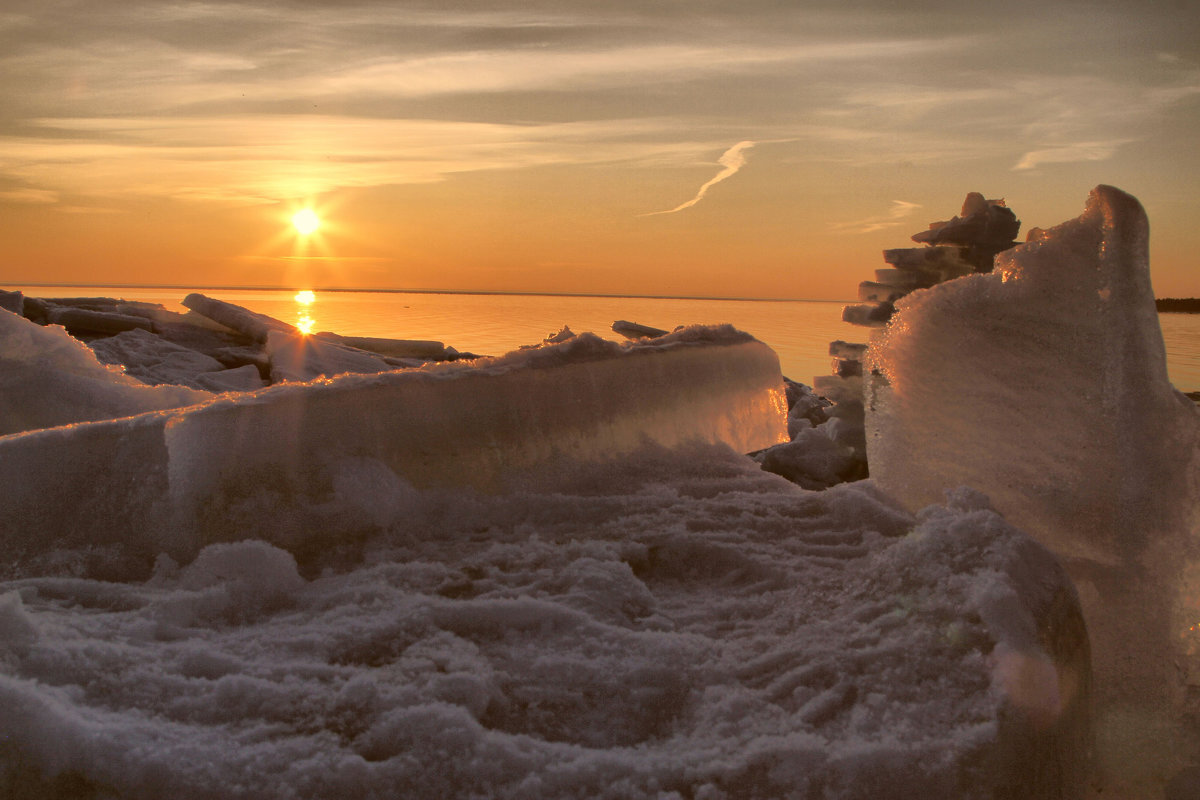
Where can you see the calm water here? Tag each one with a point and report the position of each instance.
(799, 331)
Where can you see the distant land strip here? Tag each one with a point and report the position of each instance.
(1182, 305)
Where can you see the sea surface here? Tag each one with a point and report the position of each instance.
(492, 324)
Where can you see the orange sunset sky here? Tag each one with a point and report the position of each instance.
(756, 148)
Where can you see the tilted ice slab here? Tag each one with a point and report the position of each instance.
(1044, 385)
(674, 623)
(197, 474)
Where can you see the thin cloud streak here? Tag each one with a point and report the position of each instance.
(29, 196)
(1064, 154)
(255, 159)
(900, 210)
(731, 160)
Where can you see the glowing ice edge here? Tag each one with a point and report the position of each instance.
(192, 471)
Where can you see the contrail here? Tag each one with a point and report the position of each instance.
(732, 160)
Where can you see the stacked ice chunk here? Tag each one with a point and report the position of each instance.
(960, 246)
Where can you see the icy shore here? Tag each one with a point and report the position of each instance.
(179, 477)
(551, 574)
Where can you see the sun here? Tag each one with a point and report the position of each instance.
(306, 221)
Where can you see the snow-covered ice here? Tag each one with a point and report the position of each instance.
(554, 574)
(154, 360)
(1044, 385)
(296, 357)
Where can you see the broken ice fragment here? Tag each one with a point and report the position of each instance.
(12, 301)
(295, 357)
(49, 378)
(154, 360)
(632, 330)
(85, 321)
(871, 315)
(234, 317)
(392, 348)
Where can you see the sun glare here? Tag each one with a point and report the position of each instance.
(305, 297)
(306, 221)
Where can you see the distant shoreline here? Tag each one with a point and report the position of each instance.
(1178, 305)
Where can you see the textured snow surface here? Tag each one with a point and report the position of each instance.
(675, 623)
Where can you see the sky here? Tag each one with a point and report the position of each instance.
(748, 148)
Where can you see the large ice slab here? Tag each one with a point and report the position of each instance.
(477, 425)
(1044, 385)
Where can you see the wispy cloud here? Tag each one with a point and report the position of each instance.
(900, 210)
(731, 161)
(265, 158)
(1063, 154)
(29, 195)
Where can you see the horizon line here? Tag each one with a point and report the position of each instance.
(484, 292)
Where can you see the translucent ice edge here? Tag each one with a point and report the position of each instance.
(197, 472)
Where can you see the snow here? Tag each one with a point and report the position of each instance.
(673, 623)
(555, 574)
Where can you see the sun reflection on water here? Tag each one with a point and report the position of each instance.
(304, 319)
